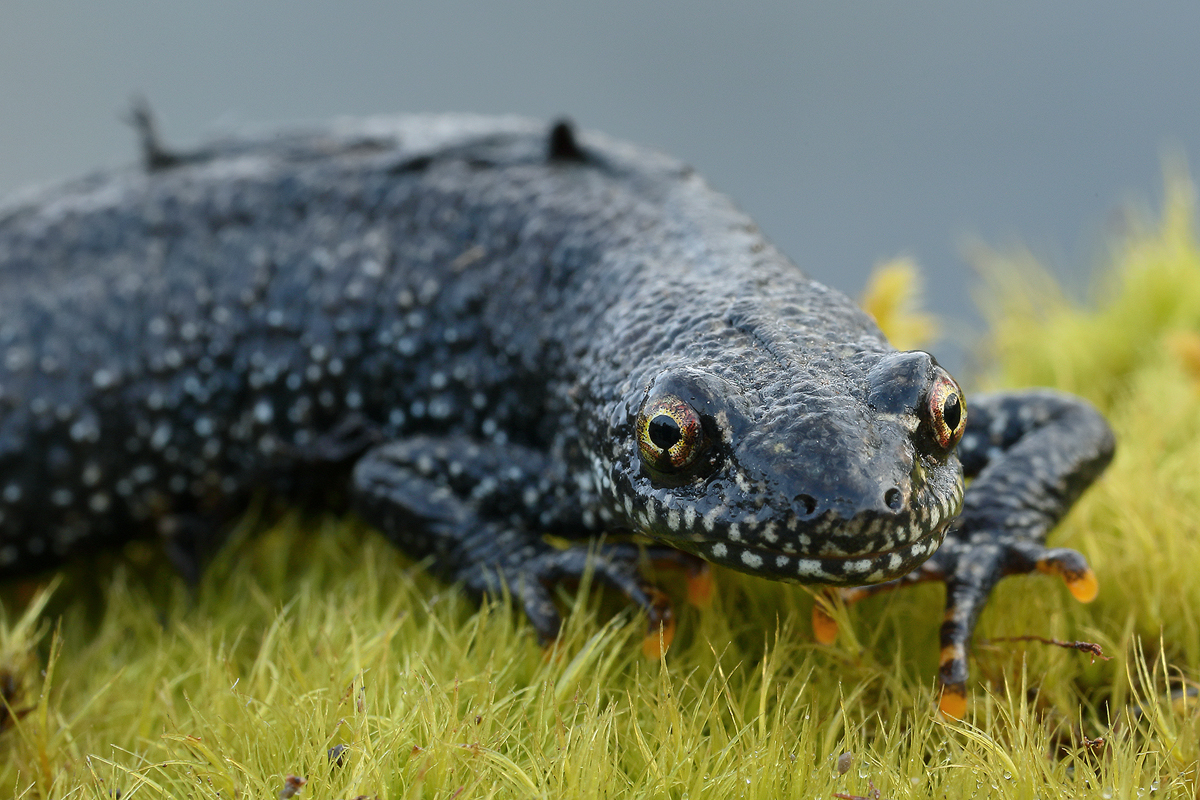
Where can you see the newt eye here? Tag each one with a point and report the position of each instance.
(947, 410)
(670, 434)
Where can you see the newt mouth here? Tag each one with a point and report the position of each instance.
(842, 570)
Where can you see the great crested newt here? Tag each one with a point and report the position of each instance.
(493, 332)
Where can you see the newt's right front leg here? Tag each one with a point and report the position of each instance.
(480, 509)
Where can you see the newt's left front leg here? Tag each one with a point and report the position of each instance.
(1031, 454)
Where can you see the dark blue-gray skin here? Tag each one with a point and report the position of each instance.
(490, 330)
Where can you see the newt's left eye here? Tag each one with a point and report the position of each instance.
(670, 434)
(947, 410)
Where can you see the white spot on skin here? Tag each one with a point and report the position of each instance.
(85, 430)
(427, 291)
(781, 561)
(161, 436)
(103, 378)
(752, 560)
(91, 474)
(98, 502)
(809, 567)
(735, 533)
(719, 550)
(263, 412)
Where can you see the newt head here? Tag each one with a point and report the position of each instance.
(838, 481)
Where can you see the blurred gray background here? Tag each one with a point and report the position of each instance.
(852, 131)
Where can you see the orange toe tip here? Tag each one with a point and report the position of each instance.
(701, 588)
(953, 703)
(658, 641)
(825, 628)
(1085, 587)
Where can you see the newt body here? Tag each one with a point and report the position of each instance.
(491, 330)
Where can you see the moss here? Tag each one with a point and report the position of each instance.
(312, 635)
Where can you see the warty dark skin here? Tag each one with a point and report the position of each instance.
(491, 331)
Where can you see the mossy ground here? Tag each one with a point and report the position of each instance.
(312, 633)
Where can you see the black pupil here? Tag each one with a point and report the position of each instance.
(664, 432)
(952, 412)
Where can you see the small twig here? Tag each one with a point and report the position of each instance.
(872, 794)
(1091, 648)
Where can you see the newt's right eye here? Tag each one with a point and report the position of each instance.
(670, 434)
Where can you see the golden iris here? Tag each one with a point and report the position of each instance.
(947, 411)
(670, 434)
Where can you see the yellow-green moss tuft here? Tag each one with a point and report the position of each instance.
(313, 649)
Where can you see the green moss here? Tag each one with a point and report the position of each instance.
(313, 633)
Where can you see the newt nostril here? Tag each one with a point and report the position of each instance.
(807, 502)
(894, 499)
